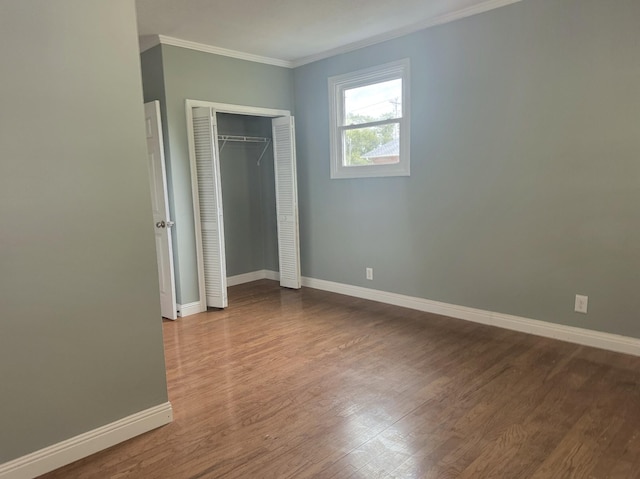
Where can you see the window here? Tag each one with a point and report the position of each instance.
(370, 122)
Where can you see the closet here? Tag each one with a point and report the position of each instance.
(248, 193)
(245, 195)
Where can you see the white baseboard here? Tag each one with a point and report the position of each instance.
(65, 452)
(185, 310)
(253, 276)
(272, 275)
(587, 337)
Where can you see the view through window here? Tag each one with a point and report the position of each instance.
(374, 112)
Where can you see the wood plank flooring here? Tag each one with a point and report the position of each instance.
(310, 384)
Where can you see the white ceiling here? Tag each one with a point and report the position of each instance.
(296, 30)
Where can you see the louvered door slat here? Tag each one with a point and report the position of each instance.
(210, 203)
(286, 201)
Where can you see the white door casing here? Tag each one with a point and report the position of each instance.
(201, 115)
(160, 205)
(209, 214)
(284, 153)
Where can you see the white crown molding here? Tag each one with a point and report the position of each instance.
(150, 41)
(586, 337)
(66, 452)
(431, 22)
(201, 47)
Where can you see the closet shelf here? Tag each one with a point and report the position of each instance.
(246, 139)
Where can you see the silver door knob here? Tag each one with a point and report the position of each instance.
(161, 224)
(170, 224)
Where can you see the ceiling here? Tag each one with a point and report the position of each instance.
(295, 31)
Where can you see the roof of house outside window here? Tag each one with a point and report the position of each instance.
(388, 149)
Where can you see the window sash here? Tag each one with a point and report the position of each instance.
(362, 126)
(357, 126)
(338, 85)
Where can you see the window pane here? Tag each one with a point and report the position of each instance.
(380, 101)
(374, 145)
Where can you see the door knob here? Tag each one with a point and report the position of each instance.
(161, 224)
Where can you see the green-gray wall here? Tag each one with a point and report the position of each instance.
(189, 74)
(525, 167)
(81, 337)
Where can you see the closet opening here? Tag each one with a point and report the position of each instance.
(244, 186)
(248, 197)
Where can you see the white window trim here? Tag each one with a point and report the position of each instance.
(337, 85)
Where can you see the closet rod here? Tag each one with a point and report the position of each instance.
(246, 139)
(254, 139)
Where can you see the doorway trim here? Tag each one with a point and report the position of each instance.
(217, 108)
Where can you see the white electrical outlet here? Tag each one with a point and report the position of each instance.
(581, 303)
(369, 273)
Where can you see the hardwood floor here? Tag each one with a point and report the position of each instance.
(302, 384)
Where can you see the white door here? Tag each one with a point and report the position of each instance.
(209, 193)
(284, 151)
(160, 204)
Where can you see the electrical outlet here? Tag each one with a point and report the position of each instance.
(369, 274)
(581, 303)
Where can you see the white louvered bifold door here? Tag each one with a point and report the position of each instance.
(210, 202)
(284, 150)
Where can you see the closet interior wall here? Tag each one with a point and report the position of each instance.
(248, 196)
